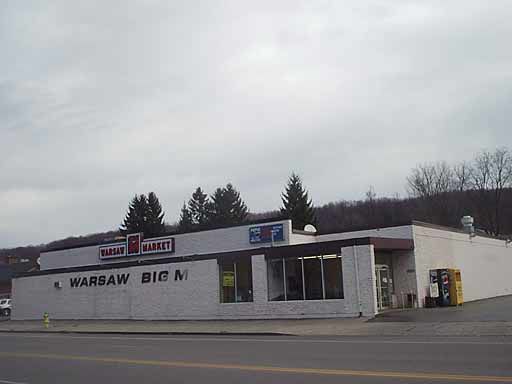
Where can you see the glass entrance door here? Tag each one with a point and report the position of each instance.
(383, 286)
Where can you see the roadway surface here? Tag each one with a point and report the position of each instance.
(60, 358)
(493, 309)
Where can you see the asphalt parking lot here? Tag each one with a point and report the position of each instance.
(495, 309)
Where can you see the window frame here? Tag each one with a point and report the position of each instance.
(338, 256)
(235, 278)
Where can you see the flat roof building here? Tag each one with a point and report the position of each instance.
(260, 271)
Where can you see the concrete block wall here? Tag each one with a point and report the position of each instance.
(197, 297)
(346, 307)
(485, 263)
(367, 303)
(404, 275)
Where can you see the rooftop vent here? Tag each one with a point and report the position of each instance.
(467, 224)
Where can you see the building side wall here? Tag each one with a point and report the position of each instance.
(485, 263)
(197, 297)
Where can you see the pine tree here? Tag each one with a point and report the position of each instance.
(186, 223)
(238, 211)
(136, 218)
(296, 204)
(199, 206)
(155, 217)
(227, 207)
(144, 215)
(219, 209)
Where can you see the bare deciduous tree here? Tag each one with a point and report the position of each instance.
(429, 180)
(492, 175)
(431, 184)
(501, 178)
(462, 176)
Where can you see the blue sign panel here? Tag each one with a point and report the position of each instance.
(266, 234)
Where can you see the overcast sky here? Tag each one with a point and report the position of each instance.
(102, 100)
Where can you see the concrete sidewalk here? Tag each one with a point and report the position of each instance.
(309, 327)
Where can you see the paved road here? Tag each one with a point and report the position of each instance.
(53, 358)
(488, 310)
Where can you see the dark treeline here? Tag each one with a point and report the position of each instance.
(438, 193)
(382, 212)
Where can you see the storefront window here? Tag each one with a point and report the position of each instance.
(293, 272)
(236, 281)
(227, 281)
(333, 277)
(305, 278)
(243, 281)
(275, 278)
(313, 277)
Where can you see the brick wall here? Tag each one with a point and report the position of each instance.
(197, 297)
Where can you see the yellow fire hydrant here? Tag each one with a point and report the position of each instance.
(46, 320)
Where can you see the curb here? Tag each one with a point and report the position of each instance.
(222, 333)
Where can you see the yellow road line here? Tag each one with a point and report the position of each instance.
(261, 368)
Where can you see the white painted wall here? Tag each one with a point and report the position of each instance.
(404, 275)
(485, 263)
(195, 298)
(299, 238)
(196, 243)
(402, 232)
(366, 271)
(72, 257)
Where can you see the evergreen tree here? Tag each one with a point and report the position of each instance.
(155, 217)
(198, 207)
(144, 215)
(186, 223)
(136, 218)
(238, 211)
(297, 206)
(227, 207)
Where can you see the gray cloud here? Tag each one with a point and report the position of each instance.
(101, 101)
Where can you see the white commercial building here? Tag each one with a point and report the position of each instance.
(259, 271)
